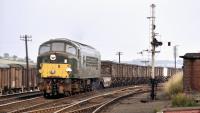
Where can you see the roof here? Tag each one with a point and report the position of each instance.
(191, 56)
(67, 40)
(4, 63)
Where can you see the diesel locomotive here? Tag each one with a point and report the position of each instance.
(68, 67)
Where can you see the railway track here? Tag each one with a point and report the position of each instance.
(51, 103)
(92, 104)
(16, 105)
(58, 103)
(89, 101)
(19, 96)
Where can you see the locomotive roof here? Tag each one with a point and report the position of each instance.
(67, 40)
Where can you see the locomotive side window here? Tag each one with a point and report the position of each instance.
(91, 62)
(70, 49)
(58, 46)
(44, 48)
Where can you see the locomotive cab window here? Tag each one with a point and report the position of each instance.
(58, 46)
(71, 49)
(44, 48)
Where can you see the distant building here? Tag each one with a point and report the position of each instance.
(7, 59)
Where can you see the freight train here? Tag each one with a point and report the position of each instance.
(67, 67)
(115, 74)
(14, 79)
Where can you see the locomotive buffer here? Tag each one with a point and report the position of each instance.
(154, 43)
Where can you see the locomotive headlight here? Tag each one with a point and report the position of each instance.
(52, 57)
(65, 60)
(69, 69)
(52, 71)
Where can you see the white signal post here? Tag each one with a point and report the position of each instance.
(153, 36)
(153, 52)
(154, 44)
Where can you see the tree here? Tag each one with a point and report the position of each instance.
(6, 55)
(14, 57)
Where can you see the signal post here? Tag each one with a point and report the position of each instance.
(154, 43)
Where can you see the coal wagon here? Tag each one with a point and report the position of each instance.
(13, 78)
(115, 74)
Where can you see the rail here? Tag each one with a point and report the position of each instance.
(93, 103)
(11, 98)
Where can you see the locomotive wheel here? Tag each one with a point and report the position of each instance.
(95, 86)
(101, 86)
(67, 93)
(45, 95)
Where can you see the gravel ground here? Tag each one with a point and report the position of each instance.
(133, 104)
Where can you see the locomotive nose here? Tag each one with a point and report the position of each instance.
(55, 70)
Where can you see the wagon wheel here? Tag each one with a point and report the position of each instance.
(95, 86)
(67, 93)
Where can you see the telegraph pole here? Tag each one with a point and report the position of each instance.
(119, 54)
(154, 43)
(145, 61)
(175, 55)
(26, 38)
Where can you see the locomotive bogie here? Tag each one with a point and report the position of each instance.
(58, 87)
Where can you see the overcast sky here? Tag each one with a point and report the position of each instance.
(107, 25)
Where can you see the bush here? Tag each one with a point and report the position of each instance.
(182, 100)
(156, 110)
(174, 89)
(174, 85)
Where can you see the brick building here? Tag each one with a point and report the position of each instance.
(191, 72)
